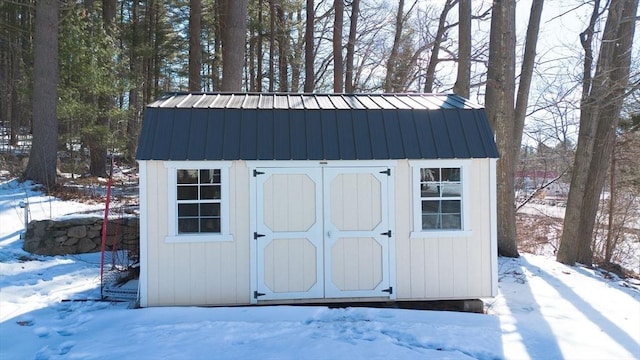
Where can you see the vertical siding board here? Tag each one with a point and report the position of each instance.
(182, 267)
(433, 269)
(418, 271)
(239, 193)
(446, 262)
(403, 216)
(198, 274)
(154, 238)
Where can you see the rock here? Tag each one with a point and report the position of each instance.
(77, 231)
(86, 245)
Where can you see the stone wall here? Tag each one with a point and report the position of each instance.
(81, 235)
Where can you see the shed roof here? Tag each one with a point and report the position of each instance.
(267, 126)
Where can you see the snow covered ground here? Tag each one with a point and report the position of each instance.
(544, 310)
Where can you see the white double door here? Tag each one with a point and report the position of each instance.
(322, 233)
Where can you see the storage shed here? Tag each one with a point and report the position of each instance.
(294, 198)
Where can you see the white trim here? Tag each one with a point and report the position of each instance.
(253, 248)
(493, 203)
(319, 163)
(418, 232)
(143, 285)
(172, 233)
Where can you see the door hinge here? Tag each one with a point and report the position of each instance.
(256, 172)
(256, 235)
(388, 233)
(257, 294)
(388, 172)
(389, 290)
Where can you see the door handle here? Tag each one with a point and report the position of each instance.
(329, 234)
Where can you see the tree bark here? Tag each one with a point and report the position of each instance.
(41, 167)
(389, 83)
(195, 45)
(233, 45)
(338, 66)
(500, 111)
(309, 53)
(351, 44)
(463, 78)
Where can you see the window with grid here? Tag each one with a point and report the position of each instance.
(199, 200)
(441, 198)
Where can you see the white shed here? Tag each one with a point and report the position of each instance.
(294, 198)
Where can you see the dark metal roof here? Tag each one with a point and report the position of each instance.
(264, 126)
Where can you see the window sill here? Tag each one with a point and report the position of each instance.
(199, 238)
(440, 234)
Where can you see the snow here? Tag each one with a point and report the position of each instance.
(544, 310)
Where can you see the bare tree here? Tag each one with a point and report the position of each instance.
(195, 45)
(351, 44)
(463, 78)
(338, 66)
(601, 103)
(42, 159)
(437, 43)
(309, 49)
(507, 121)
(393, 56)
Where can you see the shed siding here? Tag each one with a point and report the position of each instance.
(198, 273)
(444, 267)
(218, 273)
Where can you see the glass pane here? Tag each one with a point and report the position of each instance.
(451, 189)
(451, 174)
(187, 226)
(210, 209)
(450, 207)
(430, 222)
(210, 176)
(210, 192)
(429, 174)
(210, 225)
(187, 193)
(185, 210)
(429, 190)
(431, 207)
(187, 176)
(451, 222)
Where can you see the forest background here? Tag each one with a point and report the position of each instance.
(75, 77)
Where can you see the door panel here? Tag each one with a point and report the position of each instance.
(356, 251)
(289, 234)
(322, 233)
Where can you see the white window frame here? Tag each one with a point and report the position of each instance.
(418, 231)
(172, 199)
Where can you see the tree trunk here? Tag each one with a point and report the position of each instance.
(435, 50)
(500, 111)
(309, 56)
(338, 67)
(389, 83)
(604, 104)
(195, 45)
(272, 44)
(463, 78)
(283, 50)
(41, 167)
(233, 45)
(351, 44)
